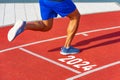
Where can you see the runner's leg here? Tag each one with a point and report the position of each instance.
(72, 27)
(44, 25)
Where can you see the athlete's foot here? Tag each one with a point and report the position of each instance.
(68, 51)
(16, 30)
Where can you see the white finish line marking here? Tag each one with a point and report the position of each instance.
(56, 38)
(94, 70)
(49, 60)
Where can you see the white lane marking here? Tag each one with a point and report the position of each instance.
(49, 60)
(94, 70)
(84, 34)
(32, 43)
(97, 30)
(56, 38)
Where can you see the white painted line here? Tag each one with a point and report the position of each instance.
(33, 43)
(56, 38)
(84, 34)
(97, 30)
(49, 60)
(94, 70)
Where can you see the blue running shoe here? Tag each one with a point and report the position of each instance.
(68, 51)
(16, 30)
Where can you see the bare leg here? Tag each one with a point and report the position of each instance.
(72, 27)
(20, 26)
(44, 25)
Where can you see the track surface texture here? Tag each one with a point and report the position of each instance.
(36, 55)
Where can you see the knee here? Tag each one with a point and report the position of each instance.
(47, 28)
(44, 26)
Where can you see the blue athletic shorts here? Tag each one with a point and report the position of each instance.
(51, 8)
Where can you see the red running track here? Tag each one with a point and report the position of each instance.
(35, 55)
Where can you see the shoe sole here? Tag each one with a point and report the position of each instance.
(67, 53)
(12, 32)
